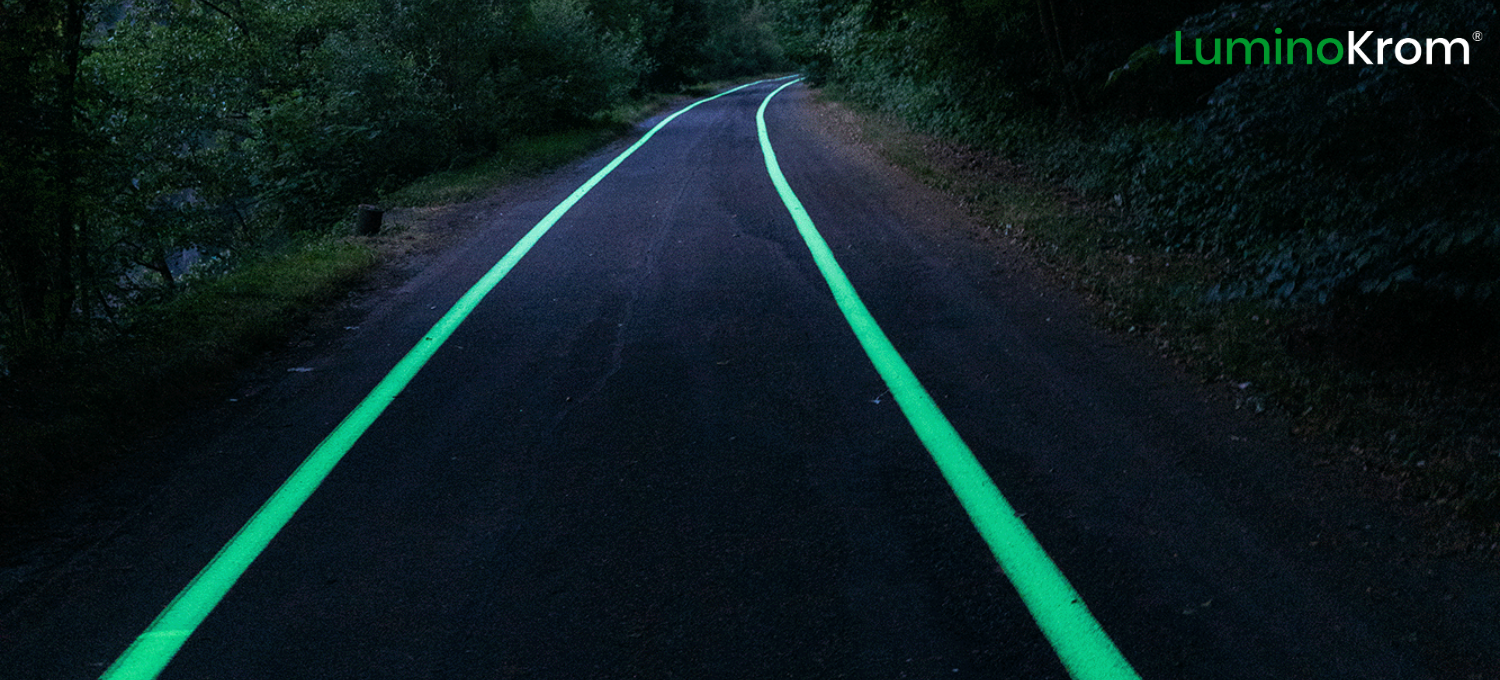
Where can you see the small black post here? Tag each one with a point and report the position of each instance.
(369, 219)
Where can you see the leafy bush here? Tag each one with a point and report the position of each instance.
(577, 70)
(1325, 182)
(1336, 181)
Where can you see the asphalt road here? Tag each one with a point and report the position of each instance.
(656, 450)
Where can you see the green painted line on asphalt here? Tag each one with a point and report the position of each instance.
(1080, 642)
(153, 649)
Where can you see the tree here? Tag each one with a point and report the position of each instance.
(41, 44)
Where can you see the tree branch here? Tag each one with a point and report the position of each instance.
(232, 18)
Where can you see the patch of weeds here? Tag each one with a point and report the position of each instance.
(236, 315)
(526, 156)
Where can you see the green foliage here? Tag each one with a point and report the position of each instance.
(583, 71)
(964, 68)
(153, 153)
(687, 41)
(1334, 182)
(740, 42)
(525, 156)
(1326, 182)
(141, 133)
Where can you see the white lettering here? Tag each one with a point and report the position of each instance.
(1380, 44)
(1447, 49)
(1416, 54)
(1354, 47)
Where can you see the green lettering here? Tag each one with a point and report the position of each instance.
(1199, 50)
(1249, 55)
(1337, 45)
(1291, 53)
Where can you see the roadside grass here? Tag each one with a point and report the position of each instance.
(524, 157)
(1426, 422)
(223, 321)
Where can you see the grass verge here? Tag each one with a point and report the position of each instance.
(1425, 419)
(521, 158)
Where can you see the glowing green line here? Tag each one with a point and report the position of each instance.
(154, 649)
(1082, 645)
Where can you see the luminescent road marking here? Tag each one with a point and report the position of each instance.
(1082, 645)
(154, 649)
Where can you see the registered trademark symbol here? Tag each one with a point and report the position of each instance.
(1478, 36)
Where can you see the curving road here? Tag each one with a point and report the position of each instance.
(656, 450)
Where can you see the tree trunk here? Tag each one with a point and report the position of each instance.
(65, 291)
(1052, 37)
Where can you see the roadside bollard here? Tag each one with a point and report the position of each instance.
(369, 220)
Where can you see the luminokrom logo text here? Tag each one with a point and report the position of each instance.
(1407, 51)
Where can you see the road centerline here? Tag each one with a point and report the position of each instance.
(1079, 641)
